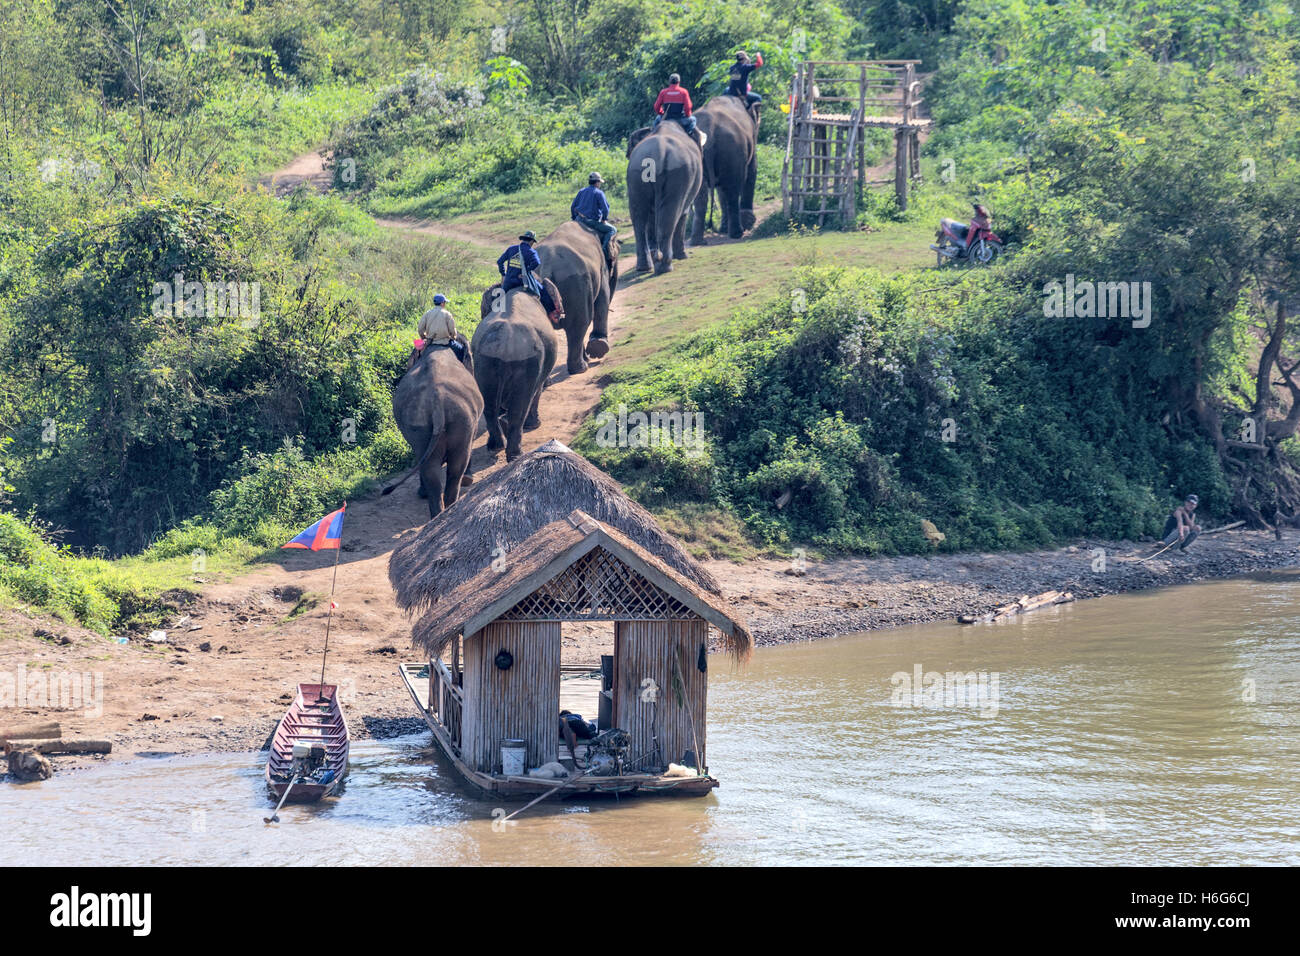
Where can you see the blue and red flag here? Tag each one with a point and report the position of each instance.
(326, 533)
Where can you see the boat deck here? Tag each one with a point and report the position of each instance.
(579, 693)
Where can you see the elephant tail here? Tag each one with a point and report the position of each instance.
(428, 450)
(439, 426)
(667, 212)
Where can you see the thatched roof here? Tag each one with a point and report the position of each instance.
(441, 566)
(508, 507)
(544, 557)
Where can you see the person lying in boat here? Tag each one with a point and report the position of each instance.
(1181, 524)
(574, 728)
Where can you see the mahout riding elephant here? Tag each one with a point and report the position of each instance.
(664, 173)
(514, 351)
(573, 259)
(437, 406)
(730, 166)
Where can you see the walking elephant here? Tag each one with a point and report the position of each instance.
(514, 351)
(664, 172)
(437, 406)
(730, 166)
(573, 259)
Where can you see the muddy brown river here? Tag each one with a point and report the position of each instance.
(1155, 728)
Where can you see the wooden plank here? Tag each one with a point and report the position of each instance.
(31, 731)
(61, 746)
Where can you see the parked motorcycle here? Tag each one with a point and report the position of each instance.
(976, 242)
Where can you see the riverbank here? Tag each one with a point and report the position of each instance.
(224, 676)
(839, 596)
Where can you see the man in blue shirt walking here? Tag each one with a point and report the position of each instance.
(591, 209)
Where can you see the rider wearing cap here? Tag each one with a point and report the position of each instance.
(517, 265)
(1181, 523)
(591, 209)
(738, 81)
(674, 103)
(437, 328)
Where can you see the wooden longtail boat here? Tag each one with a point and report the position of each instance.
(314, 718)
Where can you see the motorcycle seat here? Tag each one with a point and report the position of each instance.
(959, 228)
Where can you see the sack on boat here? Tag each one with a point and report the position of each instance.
(677, 770)
(551, 771)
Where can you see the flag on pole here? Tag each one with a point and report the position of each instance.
(326, 533)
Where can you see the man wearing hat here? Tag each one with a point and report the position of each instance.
(674, 103)
(1181, 524)
(738, 81)
(591, 209)
(438, 329)
(516, 266)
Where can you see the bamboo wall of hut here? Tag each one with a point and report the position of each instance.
(519, 703)
(644, 651)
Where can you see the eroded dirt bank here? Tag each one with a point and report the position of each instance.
(223, 677)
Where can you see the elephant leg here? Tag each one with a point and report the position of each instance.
(489, 385)
(747, 217)
(598, 344)
(575, 334)
(701, 211)
(679, 237)
(729, 199)
(666, 218)
(641, 233)
(457, 471)
(419, 440)
(520, 404)
(431, 475)
(533, 420)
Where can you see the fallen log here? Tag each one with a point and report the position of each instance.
(1226, 527)
(30, 732)
(1023, 605)
(61, 746)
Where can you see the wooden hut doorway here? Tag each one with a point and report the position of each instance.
(586, 675)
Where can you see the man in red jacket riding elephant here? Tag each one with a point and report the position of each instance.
(674, 103)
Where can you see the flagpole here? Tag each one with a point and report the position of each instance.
(338, 552)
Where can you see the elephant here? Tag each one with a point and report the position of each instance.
(664, 173)
(730, 166)
(514, 351)
(573, 259)
(437, 406)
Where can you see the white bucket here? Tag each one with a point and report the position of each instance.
(512, 757)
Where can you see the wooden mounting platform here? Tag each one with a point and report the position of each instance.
(832, 104)
(878, 122)
(501, 786)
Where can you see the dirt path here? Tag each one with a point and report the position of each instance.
(308, 168)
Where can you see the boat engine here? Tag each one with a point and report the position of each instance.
(308, 759)
(607, 754)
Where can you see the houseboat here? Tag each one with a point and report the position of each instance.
(545, 542)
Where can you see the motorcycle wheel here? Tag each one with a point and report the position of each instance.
(985, 252)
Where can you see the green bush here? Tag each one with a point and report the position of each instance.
(35, 571)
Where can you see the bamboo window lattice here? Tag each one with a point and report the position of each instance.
(599, 587)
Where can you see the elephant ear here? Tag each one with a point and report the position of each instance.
(554, 290)
(636, 138)
(490, 295)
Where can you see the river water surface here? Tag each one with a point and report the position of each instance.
(1155, 728)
